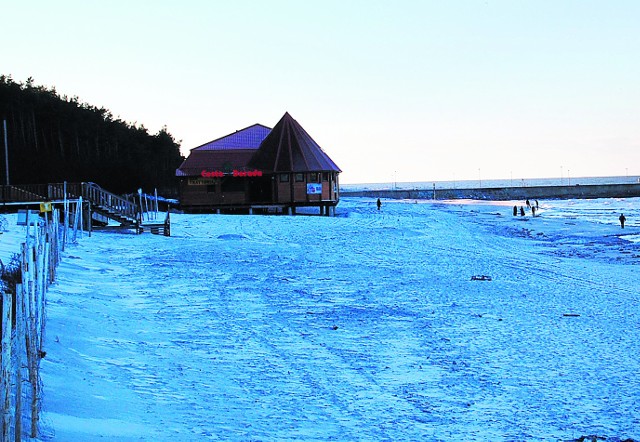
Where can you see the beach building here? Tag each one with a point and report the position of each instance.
(258, 169)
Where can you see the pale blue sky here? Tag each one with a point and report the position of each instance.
(406, 90)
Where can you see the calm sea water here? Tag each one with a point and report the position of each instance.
(488, 184)
(599, 211)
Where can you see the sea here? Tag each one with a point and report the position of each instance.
(491, 184)
(604, 211)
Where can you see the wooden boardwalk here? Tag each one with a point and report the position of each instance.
(104, 209)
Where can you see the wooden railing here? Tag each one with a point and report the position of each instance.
(29, 193)
(109, 201)
(91, 192)
(12, 194)
(103, 202)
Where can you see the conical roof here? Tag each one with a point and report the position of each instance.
(289, 148)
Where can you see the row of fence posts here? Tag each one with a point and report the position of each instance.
(148, 205)
(24, 317)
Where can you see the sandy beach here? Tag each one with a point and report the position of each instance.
(420, 321)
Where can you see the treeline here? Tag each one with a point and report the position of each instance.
(54, 138)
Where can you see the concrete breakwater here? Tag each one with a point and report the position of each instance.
(506, 193)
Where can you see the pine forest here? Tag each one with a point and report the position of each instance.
(53, 138)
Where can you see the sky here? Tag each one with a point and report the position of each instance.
(392, 91)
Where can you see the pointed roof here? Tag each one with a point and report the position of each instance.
(247, 138)
(289, 148)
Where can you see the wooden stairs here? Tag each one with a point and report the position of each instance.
(128, 214)
(104, 207)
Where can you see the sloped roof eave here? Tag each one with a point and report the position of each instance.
(248, 138)
(289, 148)
(214, 160)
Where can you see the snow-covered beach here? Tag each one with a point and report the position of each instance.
(422, 321)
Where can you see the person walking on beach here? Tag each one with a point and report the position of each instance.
(622, 220)
(515, 210)
(521, 211)
(379, 203)
(533, 210)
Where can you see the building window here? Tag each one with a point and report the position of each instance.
(325, 176)
(299, 177)
(284, 177)
(313, 177)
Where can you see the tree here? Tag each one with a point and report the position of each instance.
(54, 139)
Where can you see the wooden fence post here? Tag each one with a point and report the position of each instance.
(80, 216)
(86, 210)
(77, 220)
(20, 339)
(6, 366)
(30, 332)
(40, 255)
(65, 227)
(42, 295)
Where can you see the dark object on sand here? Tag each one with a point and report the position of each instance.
(481, 278)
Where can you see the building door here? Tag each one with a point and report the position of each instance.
(261, 190)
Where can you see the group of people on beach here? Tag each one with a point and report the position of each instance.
(533, 207)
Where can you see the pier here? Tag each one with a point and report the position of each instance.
(577, 191)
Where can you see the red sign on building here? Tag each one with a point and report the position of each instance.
(235, 173)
